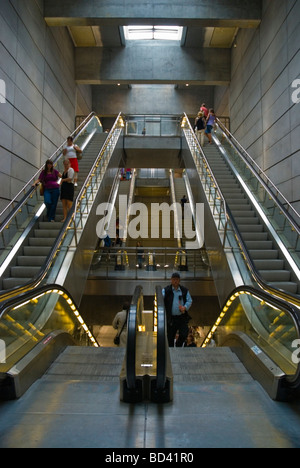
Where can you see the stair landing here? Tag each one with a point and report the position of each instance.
(216, 404)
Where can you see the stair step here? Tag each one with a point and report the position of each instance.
(261, 254)
(24, 272)
(243, 214)
(254, 228)
(31, 260)
(255, 236)
(41, 241)
(9, 283)
(53, 233)
(290, 286)
(259, 245)
(49, 226)
(276, 275)
(32, 251)
(269, 264)
(246, 220)
(240, 206)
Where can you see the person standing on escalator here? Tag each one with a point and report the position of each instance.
(178, 301)
(210, 122)
(49, 178)
(70, 152)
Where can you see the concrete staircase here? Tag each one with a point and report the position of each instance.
(37, 246)
(266, 256)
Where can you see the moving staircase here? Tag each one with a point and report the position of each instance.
(262, 248)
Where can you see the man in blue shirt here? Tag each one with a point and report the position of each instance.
(177, 303)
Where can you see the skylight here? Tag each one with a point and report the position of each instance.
(165, 33)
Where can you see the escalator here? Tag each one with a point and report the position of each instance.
(73, 246)
(258, 241)
(35, 327)
(248, 222)
(35, 252)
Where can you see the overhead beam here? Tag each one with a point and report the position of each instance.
(147, 64)
(204, 13)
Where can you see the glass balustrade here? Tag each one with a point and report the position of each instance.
(31, 318)
(272, 325)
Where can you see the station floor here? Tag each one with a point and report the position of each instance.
(216, 404)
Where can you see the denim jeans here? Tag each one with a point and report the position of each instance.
(51, 197)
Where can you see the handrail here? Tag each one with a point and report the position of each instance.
(132, 323)
(161, 340)
(66, 225)
(37, 294)
(173, 199)
(279, 305)
(53, 157)
(258, 172)
(291, 298)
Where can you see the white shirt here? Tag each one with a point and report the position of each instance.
(71, 152)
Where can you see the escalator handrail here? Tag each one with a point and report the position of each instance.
(287, 307)
(161, 340)
(34, 282)
(257, 171)
(55, 157)
(15, 301)
(289, 297)
(132, 324)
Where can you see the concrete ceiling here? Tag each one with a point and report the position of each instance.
(103, 36)
(103, 57)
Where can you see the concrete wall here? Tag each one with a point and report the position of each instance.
(151, 99)
(264, 117)
(37, 67)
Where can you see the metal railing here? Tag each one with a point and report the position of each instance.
(136, 263)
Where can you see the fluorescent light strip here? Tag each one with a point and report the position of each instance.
(19, 243)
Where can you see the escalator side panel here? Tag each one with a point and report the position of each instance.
(33, 365)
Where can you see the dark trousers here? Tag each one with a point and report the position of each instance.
(179, 323)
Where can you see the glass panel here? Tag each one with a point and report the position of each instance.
(152, 125)
(24, 325)
(272, 328)
(129, 263)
